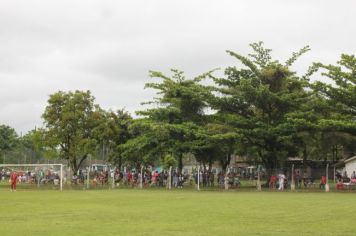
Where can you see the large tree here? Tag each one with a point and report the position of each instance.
(69, 120)
(338, 124)
(267, 104)
(176, 116)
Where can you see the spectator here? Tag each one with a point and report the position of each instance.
(175, 179)
(221, 179)
(281, 179)
(339, 184)
(338, 176)
(272, 182)
(74, 179)
(95, 181)
(226, 182)
(297, 179)
(237, 182)
(180, 180)
(211, 179)
(345, 175)
(322, 182)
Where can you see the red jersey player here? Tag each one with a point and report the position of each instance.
(13, 179)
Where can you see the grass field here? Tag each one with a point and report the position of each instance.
(177, 212)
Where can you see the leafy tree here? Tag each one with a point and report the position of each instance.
(8, 139)
(266, 103)
(169, 161)
(340, 94)
(147, 144)
(173, 125)
(338, 123)
(112, 131)
(69, 120)
(215, 142)
(30, 149)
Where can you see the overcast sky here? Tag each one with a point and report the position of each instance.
(108, 47)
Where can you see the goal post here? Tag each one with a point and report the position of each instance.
(50, 166)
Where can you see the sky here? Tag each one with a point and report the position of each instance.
(108, 47)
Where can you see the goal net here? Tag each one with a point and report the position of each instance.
(29, 176)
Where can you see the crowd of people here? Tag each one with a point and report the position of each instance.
(281, 181)
(343, 180)
(148, 178)
(154, 178)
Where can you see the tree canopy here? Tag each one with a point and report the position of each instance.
(69, 121)
(260, 109)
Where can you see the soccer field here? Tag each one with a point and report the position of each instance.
(160, 212)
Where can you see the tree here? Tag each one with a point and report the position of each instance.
(69, 119)
(215, 142)
(147, 143)
(338, 124)
(340, 94)
(111, 132)
(29, 148)
(173, 124)
(266, 102)
(169, 161)
(8, 139)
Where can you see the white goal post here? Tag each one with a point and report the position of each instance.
(39, 165)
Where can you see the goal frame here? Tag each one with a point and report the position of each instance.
(39, 165)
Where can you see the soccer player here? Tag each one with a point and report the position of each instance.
(13, 180)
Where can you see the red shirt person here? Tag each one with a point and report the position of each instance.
(322, 182)
(13, 180)
(273, 181)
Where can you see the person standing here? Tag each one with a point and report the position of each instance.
(322, 182)
(13, 181)
(272, 181)
(281, 178)
(226, 182)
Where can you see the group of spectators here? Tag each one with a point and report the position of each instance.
(29, 177)
(149, 178)
(343, 180)
(281, 182)
(231, 180)
(99, 177)
(206, 178)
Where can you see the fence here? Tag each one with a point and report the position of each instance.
(303, 178)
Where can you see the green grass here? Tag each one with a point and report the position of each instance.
(177, 212)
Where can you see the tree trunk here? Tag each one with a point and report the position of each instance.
(270, 163)
(225, 161)
(180, 163)
(119, 163)
(210, 165)
(74, 165)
